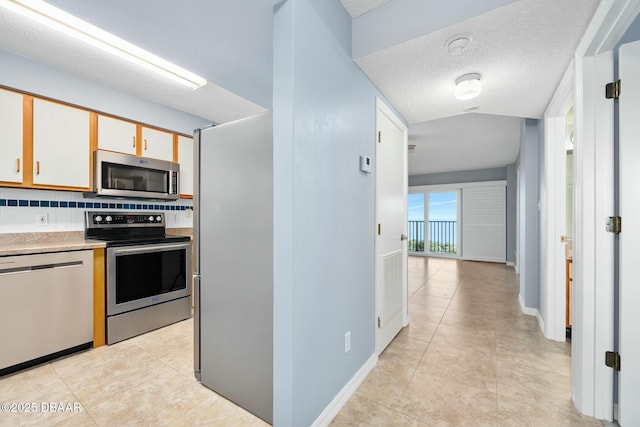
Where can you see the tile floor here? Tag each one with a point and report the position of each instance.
(468, 358)
(144, 381)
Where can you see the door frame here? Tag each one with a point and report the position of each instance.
(383, 108)
(591, 380)
(555, 205)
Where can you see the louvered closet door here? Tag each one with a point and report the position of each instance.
(484, 223)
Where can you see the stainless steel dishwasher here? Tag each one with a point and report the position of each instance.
(46, 301)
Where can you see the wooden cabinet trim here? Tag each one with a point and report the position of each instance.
(27, 141)
(175, 148)
(93, 143)
(99, 314)
(27, 160)
(139, 140)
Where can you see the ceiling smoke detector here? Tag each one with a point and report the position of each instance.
(457, 47)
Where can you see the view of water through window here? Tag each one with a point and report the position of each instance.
(439, 233)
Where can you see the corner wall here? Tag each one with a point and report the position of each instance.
(324, 119)
(529, 232)
(512, 201)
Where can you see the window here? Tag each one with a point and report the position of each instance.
(442, 230)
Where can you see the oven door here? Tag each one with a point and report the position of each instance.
(148, 274)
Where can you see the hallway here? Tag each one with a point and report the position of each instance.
(469, 357)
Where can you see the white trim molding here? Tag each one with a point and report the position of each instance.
(555, 208)
(343, 396)
(593, 262)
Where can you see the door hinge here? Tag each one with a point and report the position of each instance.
(379, 228)
(379, 136)
(379, 322)
(612, 359)
(614, 224)
(612, 90)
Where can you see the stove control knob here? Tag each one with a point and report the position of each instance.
(108, 219)
(159, 218)
(151, 218)
(98, 218)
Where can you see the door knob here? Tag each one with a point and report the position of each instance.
(403, 237)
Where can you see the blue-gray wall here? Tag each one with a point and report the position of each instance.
(324, 119)
(507, 173)
(512, 220)
(40, 79)
(529, 245)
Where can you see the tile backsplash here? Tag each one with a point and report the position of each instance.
(21, 209)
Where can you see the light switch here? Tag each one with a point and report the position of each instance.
(365, 164)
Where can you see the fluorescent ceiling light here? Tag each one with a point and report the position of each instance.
(72, 26)
(468, 86)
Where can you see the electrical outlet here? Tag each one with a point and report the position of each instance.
(347, 342)
(42, 219)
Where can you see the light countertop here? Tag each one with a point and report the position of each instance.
(35, 243)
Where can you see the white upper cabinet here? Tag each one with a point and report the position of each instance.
(116, 135)
(61, 146)
(11, 164)
(185, 158)
(157, 144)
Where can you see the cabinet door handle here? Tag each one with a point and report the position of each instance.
(134, 142)
(145, 144)
(38, 167)
(18, 167)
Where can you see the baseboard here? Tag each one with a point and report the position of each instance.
(540, 321)
(511, 264)
(527, 310)
(345, 394)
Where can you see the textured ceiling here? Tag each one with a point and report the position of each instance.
(521, 48)
(234, 91)
(467, 142)
(359, 7)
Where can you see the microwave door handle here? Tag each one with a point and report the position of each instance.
(147, 248)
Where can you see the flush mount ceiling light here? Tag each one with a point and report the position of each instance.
(72, 26)
(458, 46)
(468, 86)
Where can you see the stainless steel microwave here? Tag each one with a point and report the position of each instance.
(119, 175)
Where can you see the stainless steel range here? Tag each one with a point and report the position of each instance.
(147, 273)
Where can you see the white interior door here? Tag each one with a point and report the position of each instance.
(629, 295)
(391, 219)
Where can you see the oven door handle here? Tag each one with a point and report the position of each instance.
(150, 248)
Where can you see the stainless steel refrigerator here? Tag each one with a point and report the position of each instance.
(233, 262)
